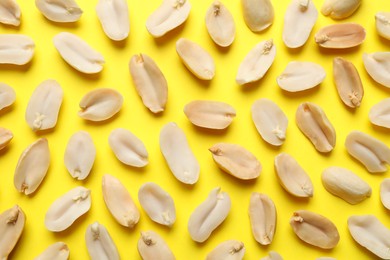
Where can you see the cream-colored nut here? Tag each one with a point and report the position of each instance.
(44, 106)
(65, 210)
(299, 20)
(340, 9)
(114, 18)
(7, 96)
(16, 49)
(196, 59)
(220, 24)
(56, 251)
(348, 82)
(100, 104)
(5, 137)
(345, 184)
(270, 121)
(256, 63)
(209, 215)
(12, 223)
(10, 12)
(99, 243)
(272, 256)
(262, 215)
(369, 232)
(380, 113)
(292, 176)
(227, 250)
(214, 115)
(149, 82)
(178, 154)
(377, 65)
(385, 193)
(80, 155)
(340, 36)
(371, 152)
(60, 11)
(382, 24)
(315, 125)
(236, 160)
(77, 53)
(168, 16)
(128, 148)
(157, 203)
(258, 14)
(315, 229)
(32, 166)
(151, 246)
(119, 202)
(300, 76)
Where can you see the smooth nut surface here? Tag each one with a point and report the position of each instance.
(340, 9)
(340, 36)
(7, 96)
(60, 11)
(315, 229)
(10, 12)
(380, 113)
(114, 18)
(382, 24)
(229, 250)
(16, 49)
(12, 222)
(377, 65)
(258, 14)
(152, 246)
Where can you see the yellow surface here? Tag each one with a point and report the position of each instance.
(183, 88)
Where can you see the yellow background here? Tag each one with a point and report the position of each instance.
(183, 88)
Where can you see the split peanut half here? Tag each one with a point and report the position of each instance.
(114, 18)
(178, 154)
(196, 59)
(151, 246)
(149, 82)
(371, 152)
(157, 203)
(119, 202)
(385, 193)
(168, 16)
(272, 255)
(60, 11)
(227, 250)
(236, 160)
(12, 223)
(56, 251)
(340, 36)
(77, 53)
(369, 232)
(256, 63)
(340, 9)
(377, 65)
(128, 148)
(315, 125)
(300, 76)
(380, 113)
(299, 20)
(100, 104)
(10, 12)
(345, 184)
(99, 243)
(209, 215)
(32, 166)
(7, 96)
(258, 14)
(65, 210)
(44, 106)
(315, 229)
(16, 49)
(214, 115)
(270, 121)
(5, 137)
(348, 82)
(262, 215)
(292, 176)
(80, 155)
(220, 24)
(382, 24)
